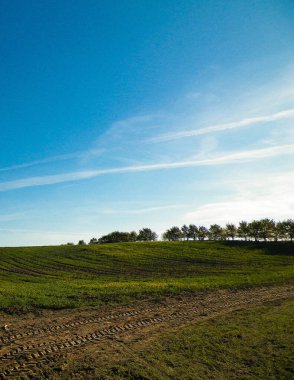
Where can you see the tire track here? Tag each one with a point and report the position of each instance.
(24, 358)
(34, 332)
(110, 317)
(72, 325)
(51, 329)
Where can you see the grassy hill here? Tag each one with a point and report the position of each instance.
(75, 276)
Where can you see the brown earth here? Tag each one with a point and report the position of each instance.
(30, 343)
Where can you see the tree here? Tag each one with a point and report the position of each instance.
(185, 232)
(243, 230)
(202, 233)
(224, 234)
(279, 231)
(231, 231)
(146, 234)
(81, 242)
(172, 234)
(118, 237)
(267, 227)
(93, 241)
(255, 229)
(192, 231)
(215, 232)
(289, 228)
(133, 236)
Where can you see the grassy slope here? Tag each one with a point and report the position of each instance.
(252, 344)
(73, 276)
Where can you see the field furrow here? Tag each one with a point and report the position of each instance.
(27, 349)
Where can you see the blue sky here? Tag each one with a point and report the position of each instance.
(117, 115)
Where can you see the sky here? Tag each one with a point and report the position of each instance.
(118, 115)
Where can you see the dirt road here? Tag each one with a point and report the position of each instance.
(31, 342)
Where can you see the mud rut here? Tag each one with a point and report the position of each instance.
(25, 349)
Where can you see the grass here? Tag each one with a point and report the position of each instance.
(252, 344)
(77, 276)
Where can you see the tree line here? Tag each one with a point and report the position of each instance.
(145, 234)
(258, 230)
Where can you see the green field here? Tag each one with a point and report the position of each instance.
(75, 276)
(251, 344)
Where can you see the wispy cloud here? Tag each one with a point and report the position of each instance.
(249, 198)
(140, 210)
(221, 127)
(238, 157)
(62, 157)
(234, 210)
(135, 121)
(84, 155)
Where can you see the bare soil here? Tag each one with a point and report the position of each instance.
(29, 343)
